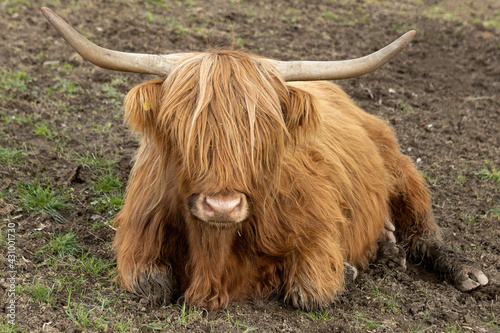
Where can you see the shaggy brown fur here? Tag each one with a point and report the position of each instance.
(320, 176)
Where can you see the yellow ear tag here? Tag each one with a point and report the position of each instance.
(145, 106)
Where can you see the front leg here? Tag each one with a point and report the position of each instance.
(152, 281)
(143, 269)
(313, 279)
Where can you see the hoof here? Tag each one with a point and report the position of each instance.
(469, 278)
(350, 273)
(392, 255)
(154, 284)
(453, 266)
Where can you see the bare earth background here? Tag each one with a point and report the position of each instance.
(65, 154)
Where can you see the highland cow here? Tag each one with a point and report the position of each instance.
(247, 185)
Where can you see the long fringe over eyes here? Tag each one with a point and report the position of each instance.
(224, 111)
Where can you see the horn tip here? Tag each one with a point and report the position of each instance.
(411, 33)
(47, 12)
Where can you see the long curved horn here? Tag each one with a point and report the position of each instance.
(344, 69)
(160, 65)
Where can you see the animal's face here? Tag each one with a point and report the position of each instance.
(225, 120)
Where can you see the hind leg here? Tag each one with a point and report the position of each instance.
(418, 232)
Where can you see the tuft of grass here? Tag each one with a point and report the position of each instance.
(108, 204)
(238, 325)
(38, 198)
(92, 265)
(63, 86)
(122, 325)
(494, 323)
(405, 107)
(428, 177)
(388, 299)
(454, 328)
(365, 322)
(109, 187)
(13, 83)
(149, 17)
(496, 210)
(469, 219)
(45, 130)
(17, 119)
(419, 328)
(92, 160)
(8, 328)
(329, 15)
(84, 317)
(188, 313)
(11, 156)
(317, 315)
(41, 292)
(61, 245)
(107, 183)
(489, 172)
(113, 96)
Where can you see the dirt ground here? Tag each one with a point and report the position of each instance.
(61, 128)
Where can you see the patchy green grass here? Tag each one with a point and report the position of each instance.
(329, 15)
(93, 160)
(90, 264)
(8, 328)
(62, 86)
(496, 210)
(188, 313)
(11, 156)
(388, 299)
(61, 246)
(45, 130)
(238, 325)
(42, 292)
(17, 119)
(489, 172)
(149, 17)
(39, 198)
(109, 190)
(364, 322)
(405, 107)
(453, 328)
(427, 176)
(107, 183)
(462, 12)
(469, 218)
(316, 315)
(13, 82)
(84, 316)
(112, 96)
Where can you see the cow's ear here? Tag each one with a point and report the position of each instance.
(142, 105)
(301, 114)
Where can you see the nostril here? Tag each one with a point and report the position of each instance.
(207, 208)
